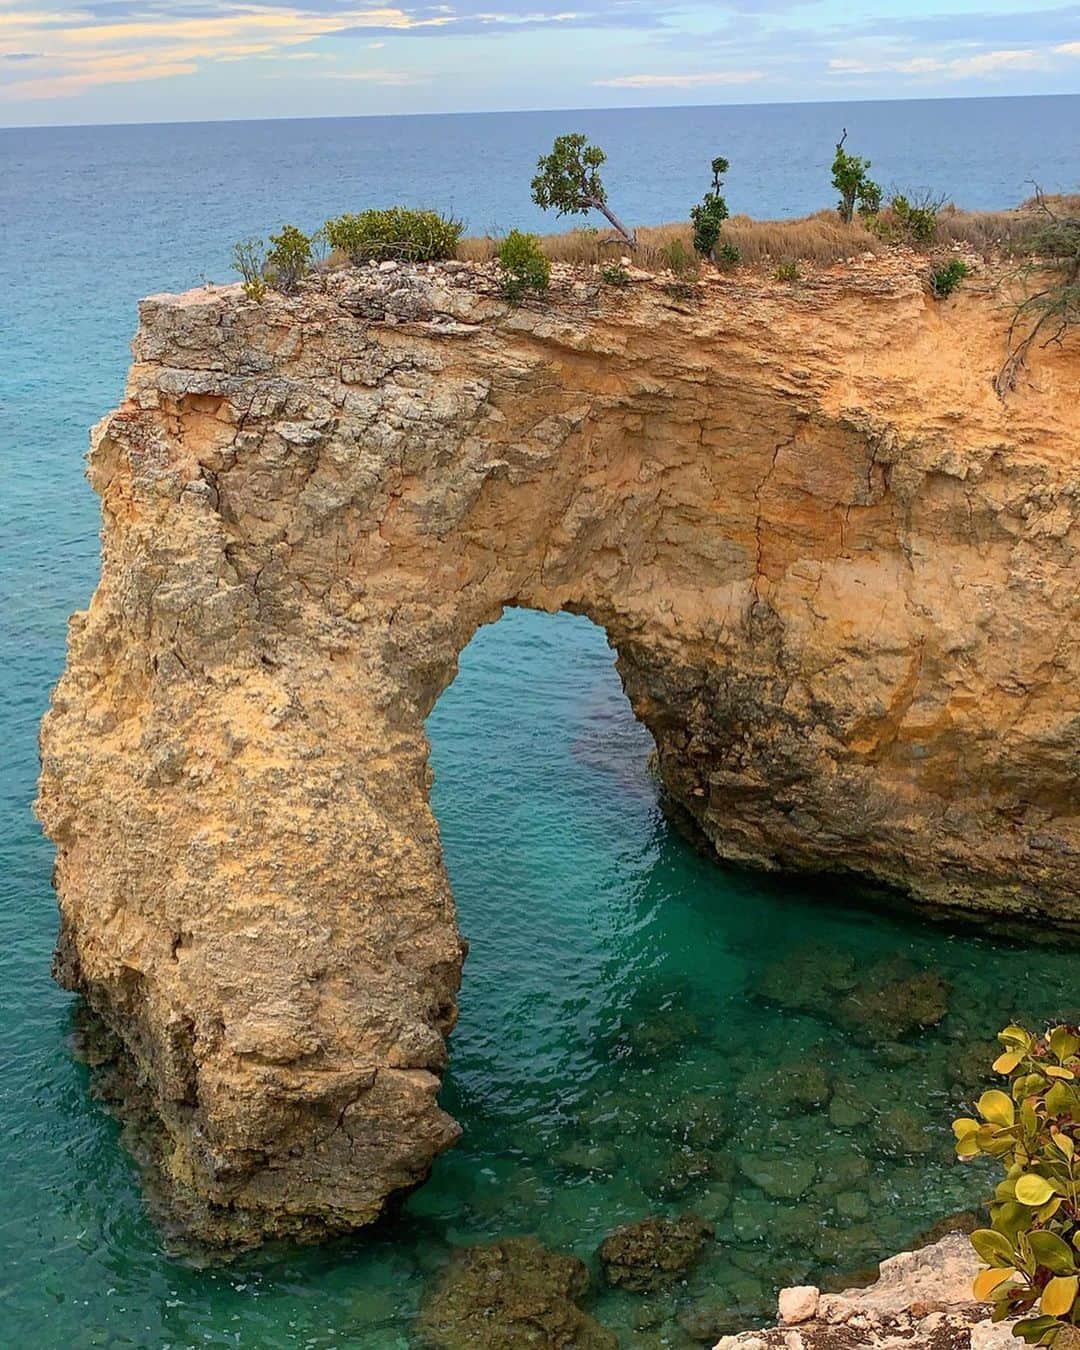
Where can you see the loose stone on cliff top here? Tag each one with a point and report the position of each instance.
(654, 1253)
(511, 1295)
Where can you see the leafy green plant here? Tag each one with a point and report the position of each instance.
(288, 258)
(568, 181)
(912, 220)
(523, 266)
(728, 256)
(254, 289)
(709, 215)
(249, 258)
(614, 274)
(788, 271)
(851, 178)
(1032, 1247)
(397, 233)
(945, 277)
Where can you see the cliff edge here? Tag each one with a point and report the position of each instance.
(839, 573)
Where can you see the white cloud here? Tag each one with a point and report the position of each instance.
(956, 68)
(682, 81)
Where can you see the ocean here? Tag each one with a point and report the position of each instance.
(621, 1017)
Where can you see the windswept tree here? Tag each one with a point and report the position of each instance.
(851, 178)
(568, 181)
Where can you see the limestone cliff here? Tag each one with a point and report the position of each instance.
(839, 574)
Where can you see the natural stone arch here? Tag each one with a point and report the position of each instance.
(837, 572)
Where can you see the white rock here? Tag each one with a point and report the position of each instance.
(388, 266)
(798, 1304)
(794, 1341)
(992, 1336)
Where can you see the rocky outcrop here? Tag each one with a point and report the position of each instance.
(839, 574)
(921, 1301)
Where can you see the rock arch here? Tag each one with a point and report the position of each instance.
(838, 572)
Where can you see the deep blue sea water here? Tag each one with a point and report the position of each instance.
(616, 1039)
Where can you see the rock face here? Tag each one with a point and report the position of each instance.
(840, 576)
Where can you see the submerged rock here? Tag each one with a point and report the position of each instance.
(895, 1007)
(783, 1176)
(512, 1295)
(650, 1255)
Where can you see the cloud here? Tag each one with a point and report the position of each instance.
(691, 80)
(958, 67)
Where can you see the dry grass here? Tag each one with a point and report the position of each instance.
(819, 239)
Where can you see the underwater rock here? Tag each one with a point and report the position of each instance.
(900, 1131)
(652, 1254)
(849, 1108)
(582, 1157)
(808, 979)
(787, 1089)
(684, 1169)
(891, 1008)
(511, 1295)
(783, 1176)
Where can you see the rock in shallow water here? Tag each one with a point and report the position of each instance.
(650, 1255)
(512, 1295)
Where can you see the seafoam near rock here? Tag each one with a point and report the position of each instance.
(839, 573)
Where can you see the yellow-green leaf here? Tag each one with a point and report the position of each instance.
(988, 1280)
(1059, 1295)
(1008, 1061)
(1052, 1071)
(1051, 1251)
(1063, 1043)
(1014, 1035)
(997, 1108)
(963, 1126)
(1031, 1189)
(1065, 1145)
(994, 1248)
(967, 1148)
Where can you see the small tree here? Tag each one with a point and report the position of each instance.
(568, 181)
(851, 178)
(710, 214)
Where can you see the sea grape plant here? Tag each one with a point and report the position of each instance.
(397, 233)
(568, 181)
(289, 258)
(1032, 1247)
(709, 215)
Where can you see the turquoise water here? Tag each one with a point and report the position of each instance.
(620, 1024)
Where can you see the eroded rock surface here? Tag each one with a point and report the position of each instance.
(839, 573)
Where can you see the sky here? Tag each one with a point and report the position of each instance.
(67, 61)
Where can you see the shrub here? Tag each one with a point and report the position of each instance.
(288, 258)
(568, 181)
(851, 178)
(913, 220)
(1032, 1247)
(945, 277)
(677, 258)
(788, 271)
(710, 214)
(398, 233)
(728, 256)
(249, 259)
(523, 265)
(614, 274)
(255, 289)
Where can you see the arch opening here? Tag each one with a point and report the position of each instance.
(644, 1032)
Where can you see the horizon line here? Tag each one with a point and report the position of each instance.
(525, 112)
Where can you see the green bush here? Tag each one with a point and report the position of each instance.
(523, 265)
(614, 274)
(288, 258)
(1032, 1247)
(913, 221)
(945, 277)
(398, 233)
(710, 214)
(728, 256)
(788, 271)
(851, 178)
